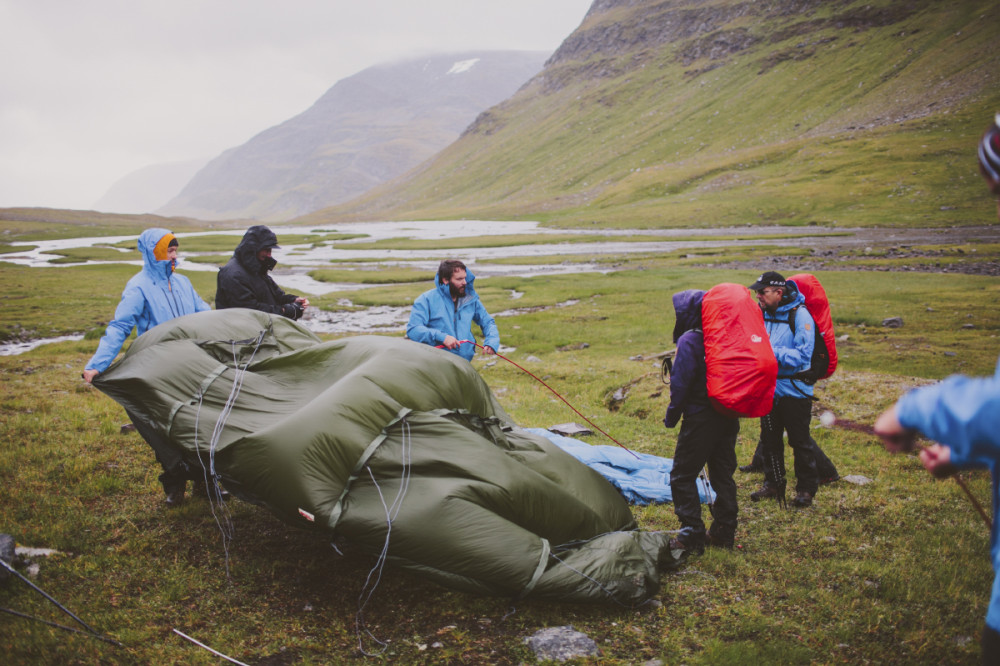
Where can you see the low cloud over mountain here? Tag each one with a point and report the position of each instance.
(367, 129)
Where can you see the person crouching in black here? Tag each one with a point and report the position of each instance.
(706, 437)
(244, 281)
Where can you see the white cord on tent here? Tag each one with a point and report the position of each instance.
(223, 518)
(391, 512)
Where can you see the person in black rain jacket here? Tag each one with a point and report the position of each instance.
(244, 281)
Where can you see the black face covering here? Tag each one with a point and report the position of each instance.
(267, 264)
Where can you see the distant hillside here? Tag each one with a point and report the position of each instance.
(720, 112)
(367, 129)
(149, 188)
(48, 223)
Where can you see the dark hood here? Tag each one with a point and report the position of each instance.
(687, 305)
(257, 238)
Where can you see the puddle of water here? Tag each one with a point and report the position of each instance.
(380, 319)
(15, 348)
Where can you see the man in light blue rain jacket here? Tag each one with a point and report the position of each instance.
(443, 316)
(963, 414)
(792, 342)
(152, 296)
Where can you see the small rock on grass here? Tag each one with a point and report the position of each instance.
(561, 643)
(857, 479)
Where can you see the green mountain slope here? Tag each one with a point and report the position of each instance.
(720, 112)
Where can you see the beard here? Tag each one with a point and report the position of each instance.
(457, 292)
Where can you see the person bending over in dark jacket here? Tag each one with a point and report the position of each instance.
(244, 281)
(706, 436)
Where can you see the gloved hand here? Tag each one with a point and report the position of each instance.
(292, 310)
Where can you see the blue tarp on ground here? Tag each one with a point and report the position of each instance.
(642, 478)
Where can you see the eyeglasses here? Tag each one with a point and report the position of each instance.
(761, 292)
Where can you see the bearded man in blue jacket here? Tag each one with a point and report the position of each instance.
(443, 316)
(963, 414)
(152, 296)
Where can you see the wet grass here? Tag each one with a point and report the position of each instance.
(79, 255)
(891, 572)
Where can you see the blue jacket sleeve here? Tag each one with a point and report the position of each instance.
(126, 315)
(417, 328)
(961, 412)
(491, 335)
(682, 379)
(799, 356)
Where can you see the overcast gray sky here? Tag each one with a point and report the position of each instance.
(91, 90)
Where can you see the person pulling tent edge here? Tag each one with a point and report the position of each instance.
(443, 316)
(963, 414)
(152, 296)
(792, 411)
(244, 281)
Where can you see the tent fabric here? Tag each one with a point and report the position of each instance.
(641, 478)
(384, 441)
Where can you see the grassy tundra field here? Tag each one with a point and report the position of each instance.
(895, 571)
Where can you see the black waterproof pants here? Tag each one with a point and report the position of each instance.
(825, 469)
(792, 415)
(706, 437)
(175, 471)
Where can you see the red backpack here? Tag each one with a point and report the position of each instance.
(741, 367)
(824, 358)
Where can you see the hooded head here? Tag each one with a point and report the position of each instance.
(153, 244)
(687, 305)
(257, 238)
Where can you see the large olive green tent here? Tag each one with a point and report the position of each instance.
(384, 441)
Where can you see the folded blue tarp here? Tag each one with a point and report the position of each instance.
(641, 478)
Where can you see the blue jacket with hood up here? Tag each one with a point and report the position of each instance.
(964, 413)
(152, 296)
(792, 350)
(435, 316)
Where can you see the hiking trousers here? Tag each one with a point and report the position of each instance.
(791, 415)
(706, 438)
(825, 468)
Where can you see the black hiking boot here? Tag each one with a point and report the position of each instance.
(766, 491)
(802, 499)
(713, 540)
(175, 494)
(213, 490)
(688, 541)
(829, 479)
(751, 468)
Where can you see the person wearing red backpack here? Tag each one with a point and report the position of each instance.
(706, 437)
(779, 300)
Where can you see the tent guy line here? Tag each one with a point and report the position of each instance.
(554, 392)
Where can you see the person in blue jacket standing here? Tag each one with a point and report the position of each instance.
(152, 296)
(706, 437)
(443, 316)
(963, 415)
(792, 343)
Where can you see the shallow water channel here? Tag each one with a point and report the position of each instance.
(295, 261)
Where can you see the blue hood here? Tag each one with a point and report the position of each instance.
(687, 305)
(157, 270)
